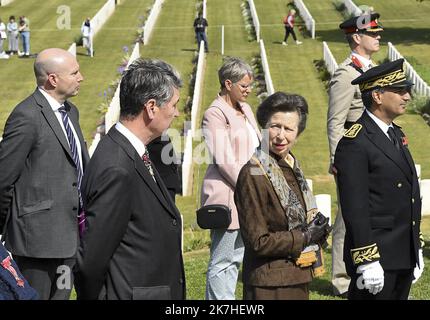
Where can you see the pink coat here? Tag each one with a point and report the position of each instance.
(231, 147)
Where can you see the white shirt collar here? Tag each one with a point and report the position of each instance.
(55, 105)
(366, 63)
(381, 124)
(134, 140)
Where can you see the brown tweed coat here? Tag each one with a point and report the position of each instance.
(270, 249)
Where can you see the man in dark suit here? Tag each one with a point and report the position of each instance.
(42, 157)
(132, 247)
(379, 191)
(166, 162)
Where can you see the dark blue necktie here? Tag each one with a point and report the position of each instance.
(393, 138)
(75, 155)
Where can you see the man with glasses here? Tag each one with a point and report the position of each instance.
(379, 191)
(345, 107)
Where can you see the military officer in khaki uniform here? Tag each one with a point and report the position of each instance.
(345, 107)
(379, 191)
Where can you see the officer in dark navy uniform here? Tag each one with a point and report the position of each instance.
(345, 107)
(379, 191)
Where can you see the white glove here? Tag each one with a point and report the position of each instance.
(373, 276)
(418, 271)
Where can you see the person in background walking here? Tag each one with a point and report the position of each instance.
(200, 25)
(87, 41)
(289, 27)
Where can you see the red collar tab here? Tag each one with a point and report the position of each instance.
(356, 62)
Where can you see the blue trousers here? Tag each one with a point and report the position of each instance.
(226, 256)
(25, 36)
(201, 36)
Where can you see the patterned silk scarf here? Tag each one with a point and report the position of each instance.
(293, 208)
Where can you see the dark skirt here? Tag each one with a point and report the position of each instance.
(296, 292)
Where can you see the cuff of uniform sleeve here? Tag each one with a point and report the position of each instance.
(365, 254)
(422, 242)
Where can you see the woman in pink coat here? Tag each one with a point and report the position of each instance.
(231, 134)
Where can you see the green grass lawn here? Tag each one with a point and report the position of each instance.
(236, 44)
(16, 75)
(292, 70)
(327, 20)
(99, 72)
(408, 28)
(173, 40)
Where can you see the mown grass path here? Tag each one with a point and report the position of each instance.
(408, 28)
(101, 70)
(16, 75)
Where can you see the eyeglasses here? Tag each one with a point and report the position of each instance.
(245, 86)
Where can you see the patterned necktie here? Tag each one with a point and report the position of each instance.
(148, 164)
(74, 150)
(393, 138)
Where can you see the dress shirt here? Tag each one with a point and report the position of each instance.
(55, 105)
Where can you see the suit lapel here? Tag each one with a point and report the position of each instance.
(378, 138)
(141, 169)
(155, 188)
(404, 149)
(166, 193)
(52, 121)
(74, 119)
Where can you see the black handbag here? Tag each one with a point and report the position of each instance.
(214, 216)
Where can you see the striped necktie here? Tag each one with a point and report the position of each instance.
(75, 155)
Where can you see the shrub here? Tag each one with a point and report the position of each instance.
(249, 24)
(78, 40)
(323, 73)
(420, 105)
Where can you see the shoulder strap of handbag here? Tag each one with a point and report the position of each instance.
(228, 127)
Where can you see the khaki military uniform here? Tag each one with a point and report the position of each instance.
(345, 107)
(345, 103)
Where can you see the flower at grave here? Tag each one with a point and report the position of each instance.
(121, 69)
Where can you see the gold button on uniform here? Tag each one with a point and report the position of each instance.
(413, 200)
(413, 223)
(399, 185)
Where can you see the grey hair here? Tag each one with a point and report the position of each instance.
(234, 69)
(147, 79)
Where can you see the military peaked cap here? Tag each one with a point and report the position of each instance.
(388, 74)
(365, 22)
